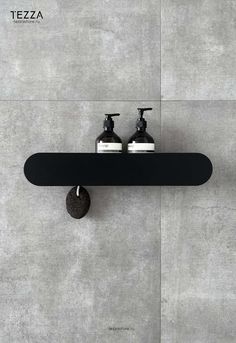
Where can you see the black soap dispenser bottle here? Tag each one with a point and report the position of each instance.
(108, 141)
(141, 141)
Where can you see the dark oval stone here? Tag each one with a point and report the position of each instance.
(77, 206)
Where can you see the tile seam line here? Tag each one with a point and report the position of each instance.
(160, 221)
(75, 100)
(198, 100)
(134, 100)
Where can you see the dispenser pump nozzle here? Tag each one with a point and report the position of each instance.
(108, 122)
(141, 122)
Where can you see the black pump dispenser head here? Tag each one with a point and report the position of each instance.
(108, 122)
(141, 122)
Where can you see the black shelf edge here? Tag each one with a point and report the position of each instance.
(91, 169)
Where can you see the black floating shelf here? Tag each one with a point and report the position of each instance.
(91, 169)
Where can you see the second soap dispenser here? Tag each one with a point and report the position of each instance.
(108, 141)
(141, 141)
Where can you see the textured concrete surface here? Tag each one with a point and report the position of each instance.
(198, 228)
(198, 49)
(92, 50)
(98, 279)
(63, 280)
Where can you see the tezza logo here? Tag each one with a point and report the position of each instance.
(26, 15)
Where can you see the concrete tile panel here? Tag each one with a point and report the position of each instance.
(198, 50)
(92, 50)
(198, 227)
(64, 280)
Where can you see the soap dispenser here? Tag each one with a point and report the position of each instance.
(141, 141)
(108, 141)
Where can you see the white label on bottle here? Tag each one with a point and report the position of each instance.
(109, 147)
(141, 147)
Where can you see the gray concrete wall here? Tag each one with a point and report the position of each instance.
(157, 260)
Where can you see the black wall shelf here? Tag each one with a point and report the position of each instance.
(91, 169)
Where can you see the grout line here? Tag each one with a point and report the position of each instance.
(160, 234)
(135, 100)
(79, 100)
(160, 187)
(160, 244)
(196, 100)
(160, 49)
